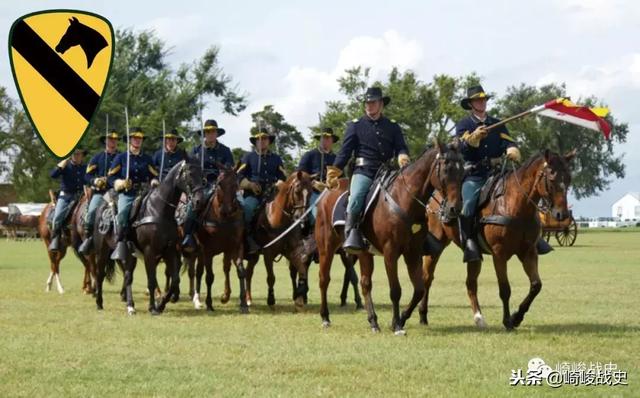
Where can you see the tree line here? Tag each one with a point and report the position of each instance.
(142, 80)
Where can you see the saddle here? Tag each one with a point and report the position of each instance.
(383, 179)
(108, 215)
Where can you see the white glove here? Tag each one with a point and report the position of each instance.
(403, 160)
(513, 154)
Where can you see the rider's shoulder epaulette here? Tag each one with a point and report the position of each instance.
(393, 121)
(355, 120)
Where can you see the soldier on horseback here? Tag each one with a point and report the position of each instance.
(374, 140)
(482, 150)
(96, 178)
(259, 171)
(71, 173)
(315, 162)
(129, 184)
(212, 154)
(172, 154)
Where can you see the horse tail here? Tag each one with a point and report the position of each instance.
(110, 270)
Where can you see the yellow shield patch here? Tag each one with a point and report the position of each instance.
(61, 60)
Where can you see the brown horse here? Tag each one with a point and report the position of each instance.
(389, 227)
(544, 177)
(77, 236)
(69, 237)
(19, 222)
(221, 231)
(290, 202)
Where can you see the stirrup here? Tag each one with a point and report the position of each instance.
(86, 245)
(543, 247)
(121, 251)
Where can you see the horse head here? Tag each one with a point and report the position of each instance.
(226, 190)
(553, 183)
(189, 180)
(446, 176)
(89, 39)
(298, 190)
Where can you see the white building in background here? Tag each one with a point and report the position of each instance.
(627, 207)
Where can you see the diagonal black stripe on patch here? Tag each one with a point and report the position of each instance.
(53, 68)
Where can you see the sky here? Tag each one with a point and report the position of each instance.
(289, 54)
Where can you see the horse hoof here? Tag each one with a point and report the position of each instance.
(99, 307)
(359, 306)
(130, 311)
(375, 329)
(47, 289)
(326, 324)
(224, 299)
(175, 299)
(60, 290)
(210, 308)
(271, 301)
(478, 318)
(343, 303)
(244, 309)
(154, 311)
(400, 332)
(299, 303)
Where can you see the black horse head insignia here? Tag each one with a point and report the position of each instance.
(89, 40)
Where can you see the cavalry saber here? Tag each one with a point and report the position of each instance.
(201, 135)
(106, 155)
(126, 119)
(298, 221)
(164, 133)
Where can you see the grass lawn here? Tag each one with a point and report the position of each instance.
(59, 345)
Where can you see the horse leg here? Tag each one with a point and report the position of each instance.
(351, 276)
(302, 287)
(293, 273)
(414, 267)
(429, 264)
(473, 271)
(123, 290)
(101, 264)
(150, 265)
(199, 271)
(191, 271)
(251, 264)
(271, 280)
(324, 277)
(53, 269)
(500, 265)
(208, 265)
(244, 307)
(395, 291)
(530, 265)
(366, 270)
(129, 266)
(172, 263)
(226, 267)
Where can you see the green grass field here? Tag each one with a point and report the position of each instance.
(59, 345)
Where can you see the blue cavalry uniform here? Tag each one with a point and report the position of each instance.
(71, 177)
(479, 152)
(210, 156)
(141, 171)
(170, 158)
(315, 162)
(373, 142)
(96, 178)
(257, 174)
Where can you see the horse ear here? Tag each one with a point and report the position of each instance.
(547, 155)
(569, 156)
(75, 19)
(454, 144)
(70, 21)
(299, 175)
(438, 144)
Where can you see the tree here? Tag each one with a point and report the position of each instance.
(595, 164)
(288, 138)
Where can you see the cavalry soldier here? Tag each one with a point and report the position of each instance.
(71, 174)
(259, 170)
(172, 155)
(96, 178)
(141, 171)
(315, 162)
(375, 140)
(481, 149)
(214, 152)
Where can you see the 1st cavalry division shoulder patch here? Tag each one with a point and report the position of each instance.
(61, 61)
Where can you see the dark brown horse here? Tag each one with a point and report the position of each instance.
(68, 237)
(290, 202)
(390, 229)
(154, 234)
(221, 231)
(544, 177)
(77, 236)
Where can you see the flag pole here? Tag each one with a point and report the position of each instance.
(164, 134)
(126, 119)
